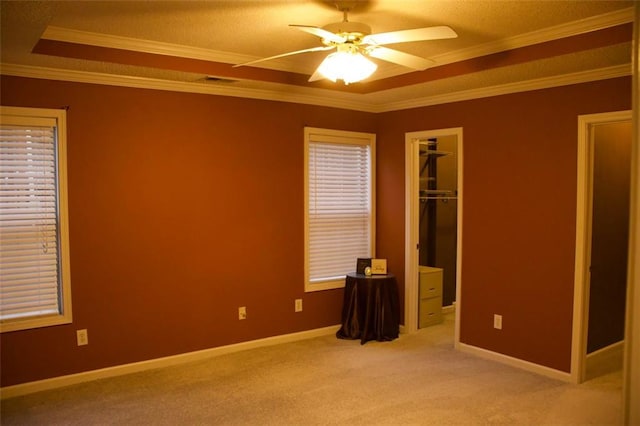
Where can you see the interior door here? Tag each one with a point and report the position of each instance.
(609, 234)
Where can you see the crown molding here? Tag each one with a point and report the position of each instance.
(321, 99)
(505, 89)
(148, 46)
(556, 32)
(140, 45)
(178, 86)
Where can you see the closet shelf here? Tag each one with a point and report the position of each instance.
(432, 152)
(424, 192)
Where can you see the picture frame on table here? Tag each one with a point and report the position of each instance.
(379, 266)
(362, 264)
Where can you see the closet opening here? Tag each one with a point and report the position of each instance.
(433, 227)
(437, 228)
(602, 233)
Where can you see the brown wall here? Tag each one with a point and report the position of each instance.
(175, 198)
(182, 208)
(519, 209)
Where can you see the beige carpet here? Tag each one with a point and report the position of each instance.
(416, 379)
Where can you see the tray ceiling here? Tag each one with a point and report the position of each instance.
(502, 47)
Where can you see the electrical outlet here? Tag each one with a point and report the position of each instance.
(298, 305)
(497, 321)
(242, 312)
(82, 336)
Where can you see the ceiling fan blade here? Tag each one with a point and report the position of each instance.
(316, 75)
(312, 49)
(397, 57)
(317, 31)
(418, 34)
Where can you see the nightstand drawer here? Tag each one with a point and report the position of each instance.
(430, 289)
(430, 282)
(430, 311)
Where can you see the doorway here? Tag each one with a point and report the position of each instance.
(418, 201)
(604, 143)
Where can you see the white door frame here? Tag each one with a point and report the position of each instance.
(583, 237)
(412, 226)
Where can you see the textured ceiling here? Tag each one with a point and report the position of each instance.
(124, 38)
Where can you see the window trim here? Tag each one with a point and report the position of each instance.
(31, 115)
(313, 134)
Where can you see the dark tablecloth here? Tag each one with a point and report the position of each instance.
(370, 310)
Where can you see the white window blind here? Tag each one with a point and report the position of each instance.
(339, 205)
(30, 244)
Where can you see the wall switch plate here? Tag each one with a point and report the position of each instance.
(242, 312)
(82, 337)
(298, 305)
(497, 321)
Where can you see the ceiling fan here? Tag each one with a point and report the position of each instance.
(354, 44)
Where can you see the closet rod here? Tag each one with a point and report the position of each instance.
(437, 191)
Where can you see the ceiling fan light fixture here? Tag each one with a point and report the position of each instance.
(347, 65)
(355, 44)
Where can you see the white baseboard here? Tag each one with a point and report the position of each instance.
(613, 349)
(449, 309)
(605, 360)
(515, 362)
(119, 370)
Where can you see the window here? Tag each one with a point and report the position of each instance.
(34, 249)
(339, 204)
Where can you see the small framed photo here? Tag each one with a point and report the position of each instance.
(362, 264)
(379, 266)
